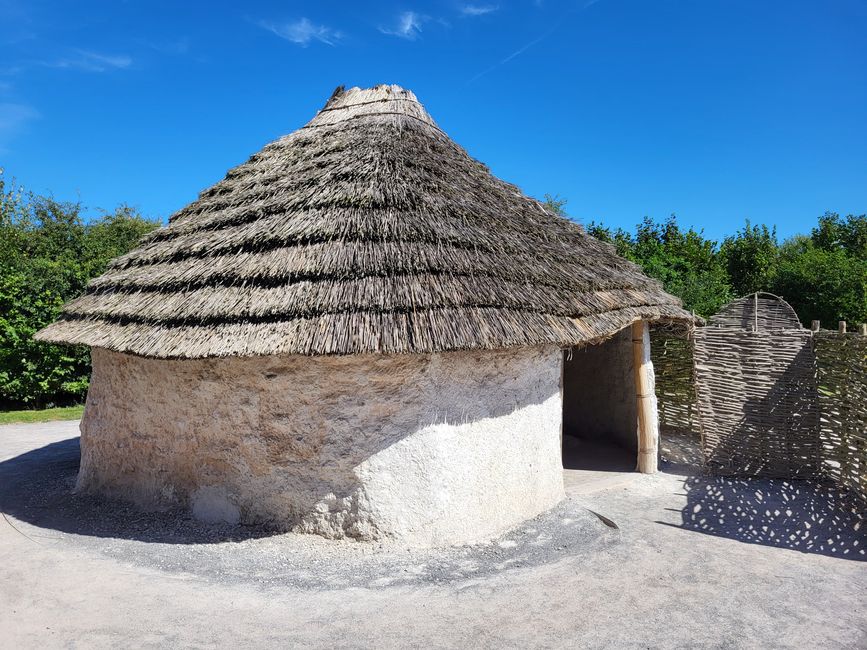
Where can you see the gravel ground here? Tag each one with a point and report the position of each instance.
(693, 562)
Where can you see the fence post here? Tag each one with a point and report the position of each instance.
(756, 312)
(842, 325)
(862, 329)
(648, 424)
(814, 326)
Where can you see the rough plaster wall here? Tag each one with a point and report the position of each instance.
(599, 400)
(430, 449)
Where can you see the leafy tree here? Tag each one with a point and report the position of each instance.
(687, 264)
(47, 255)
(828, 285)
(834, 233)
(824, 276)
(620, 239)
(751, 257)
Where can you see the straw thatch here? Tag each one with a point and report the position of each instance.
(367, 230)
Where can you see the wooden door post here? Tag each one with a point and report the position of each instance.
(648, 425)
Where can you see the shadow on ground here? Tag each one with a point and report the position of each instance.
(797, 515)
(37, 488)
(680, 452)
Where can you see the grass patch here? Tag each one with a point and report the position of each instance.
(44, 415)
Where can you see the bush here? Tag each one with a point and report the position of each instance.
(48, 253)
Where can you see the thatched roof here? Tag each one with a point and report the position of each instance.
(367, 230)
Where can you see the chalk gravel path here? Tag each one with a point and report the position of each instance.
(693, 562)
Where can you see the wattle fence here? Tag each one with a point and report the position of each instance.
(671, 353)
(767, 400)
(757, 402)
(841, 361)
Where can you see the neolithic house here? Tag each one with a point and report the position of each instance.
(361, 332)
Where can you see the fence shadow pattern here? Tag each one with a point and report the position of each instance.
(802, 516)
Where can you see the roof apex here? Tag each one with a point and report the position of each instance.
(384, 99)
(380, 92)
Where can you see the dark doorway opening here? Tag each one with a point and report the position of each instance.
(600, 416)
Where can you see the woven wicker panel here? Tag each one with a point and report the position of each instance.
(757, 311)
(671, 353)
(842, 383)
(758, 408)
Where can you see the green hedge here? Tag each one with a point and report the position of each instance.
(822, 275)
(48, 252)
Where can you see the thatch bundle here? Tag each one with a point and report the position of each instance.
(367, 230)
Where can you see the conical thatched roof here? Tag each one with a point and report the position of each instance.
(367, 230)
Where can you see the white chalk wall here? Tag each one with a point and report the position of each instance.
(429, 449)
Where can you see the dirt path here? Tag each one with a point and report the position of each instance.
(695, 563)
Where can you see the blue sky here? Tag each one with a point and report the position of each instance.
(715, 110)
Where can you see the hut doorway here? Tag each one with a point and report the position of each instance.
(600, 412)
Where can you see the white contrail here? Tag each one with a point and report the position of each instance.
(526, 47)
(517, 52)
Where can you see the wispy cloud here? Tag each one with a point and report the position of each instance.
(178, 47)
(478, 10)
(408, 25)
(14, 119)
(90, 61)
(17, 23)
(82, 60)
(302, 32)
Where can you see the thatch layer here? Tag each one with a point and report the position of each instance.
(368, 230)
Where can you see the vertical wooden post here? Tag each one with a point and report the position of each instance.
(648, 425)
(815, 325)
(756, 311)
(842, 326)
(862, 329)
(563, 359)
